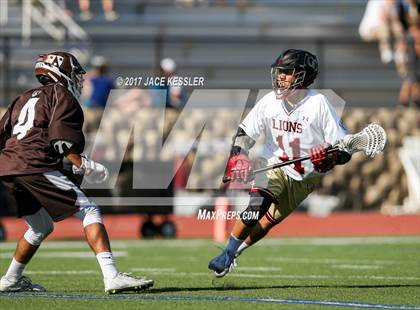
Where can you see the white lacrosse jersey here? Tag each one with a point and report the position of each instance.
(290, 134)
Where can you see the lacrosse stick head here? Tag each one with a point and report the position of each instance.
(371, 140)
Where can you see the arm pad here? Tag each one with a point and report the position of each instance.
(62, 146)
(241, 143)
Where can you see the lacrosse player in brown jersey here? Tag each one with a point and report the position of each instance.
(39, 129)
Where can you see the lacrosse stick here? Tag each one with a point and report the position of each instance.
(371, 140)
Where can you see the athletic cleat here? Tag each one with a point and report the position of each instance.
(24, 284)
(125, 282)
(223, 264)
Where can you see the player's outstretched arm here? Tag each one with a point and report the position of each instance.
(74, 158)
(94, 172)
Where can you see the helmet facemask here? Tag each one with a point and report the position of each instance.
(75, 84)
(298, 78)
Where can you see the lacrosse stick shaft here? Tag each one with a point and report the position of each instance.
(285, 163)
(292, 161)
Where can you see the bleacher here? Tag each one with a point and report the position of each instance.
(232, 47)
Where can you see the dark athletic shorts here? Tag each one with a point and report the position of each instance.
(52, 190)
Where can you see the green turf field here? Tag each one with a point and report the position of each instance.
(290, 273)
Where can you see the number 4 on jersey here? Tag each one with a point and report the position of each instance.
(25, 119)
(295, 145)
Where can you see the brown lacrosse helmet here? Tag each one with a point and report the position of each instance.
(60, 67)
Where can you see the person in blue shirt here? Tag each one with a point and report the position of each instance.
(175, 96)
(100, 83)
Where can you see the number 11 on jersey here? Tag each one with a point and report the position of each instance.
(295, 145)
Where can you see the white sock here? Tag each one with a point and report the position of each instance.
(15, 270)
(241, 248)
(233, 244)
(107, 263)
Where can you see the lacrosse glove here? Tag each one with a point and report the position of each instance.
(322, 161)
(239, 168)
(93, 172)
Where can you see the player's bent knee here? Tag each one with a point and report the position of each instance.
(259, 203)
(89, 214)
(40, 226)
(35, 237)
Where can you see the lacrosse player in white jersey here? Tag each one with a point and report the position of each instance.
(296, 122)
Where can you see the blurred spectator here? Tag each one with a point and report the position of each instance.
(191, 3)
(196, 3)
(175, 96)
(408, 11)
(380, 23)
(107, 6)
(238, 3)
(133, 100)
(395, 25)
(97, 84)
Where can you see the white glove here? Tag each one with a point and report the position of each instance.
(93, 172)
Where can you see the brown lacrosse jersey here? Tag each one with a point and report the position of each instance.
(34, 121)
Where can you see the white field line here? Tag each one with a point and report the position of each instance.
(65, 254)
(124, 244)
(342, 241)
(62, 272)
(327, 241)
(169, 270)
(362, 267)
(338, 263)
(362, 263)
(294, 276)
(89, 271)
(260, 268)
(300, 260)
(55, 245)
(173, 272)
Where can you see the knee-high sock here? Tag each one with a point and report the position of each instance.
(107, 263)
(15, 270)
